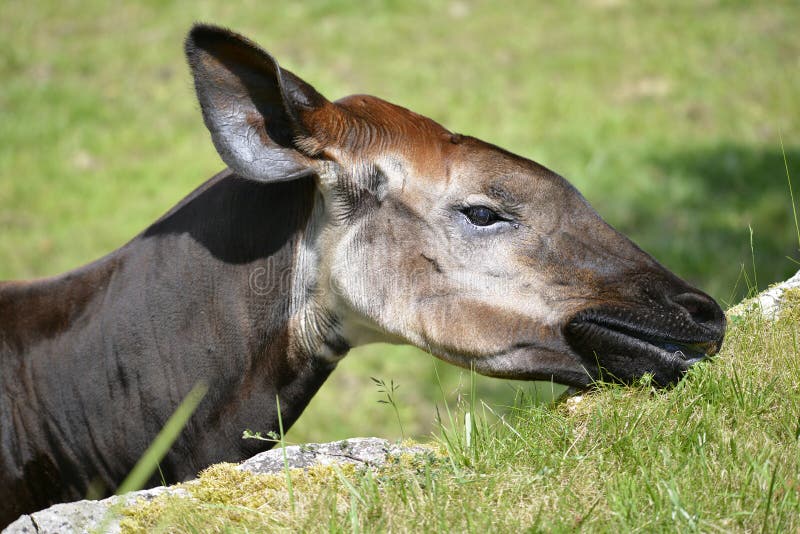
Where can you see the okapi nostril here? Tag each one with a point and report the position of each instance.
(703, 309)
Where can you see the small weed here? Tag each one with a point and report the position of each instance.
(389, 392)
(271, 436)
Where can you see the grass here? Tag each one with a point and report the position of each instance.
(718, 453)
(160, 446)
(667, 117)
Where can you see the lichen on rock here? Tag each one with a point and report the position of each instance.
(258, 488)
(771, 302)
(263, 492)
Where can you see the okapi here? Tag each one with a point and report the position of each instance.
(336, 224)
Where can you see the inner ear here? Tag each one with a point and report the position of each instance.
(260, 116)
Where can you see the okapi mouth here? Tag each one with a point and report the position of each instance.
(616, 348)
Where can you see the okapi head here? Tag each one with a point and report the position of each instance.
(485, 259)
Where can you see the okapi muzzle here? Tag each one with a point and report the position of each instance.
(336, 224)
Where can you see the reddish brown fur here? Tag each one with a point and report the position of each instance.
(366, 127)
(41, 309)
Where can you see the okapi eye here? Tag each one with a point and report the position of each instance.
(480, 215)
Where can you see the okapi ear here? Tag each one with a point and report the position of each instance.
(254, 109)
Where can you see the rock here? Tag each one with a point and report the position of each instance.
(573, 403)
(369, 452)
(101, 516)
(769, 302)
(83, 516)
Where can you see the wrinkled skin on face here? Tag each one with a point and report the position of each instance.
(484, 258)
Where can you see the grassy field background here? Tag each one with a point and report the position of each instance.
(667, 116)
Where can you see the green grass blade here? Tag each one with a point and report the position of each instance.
(149, 461)
(791, 192)
(286, 470)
